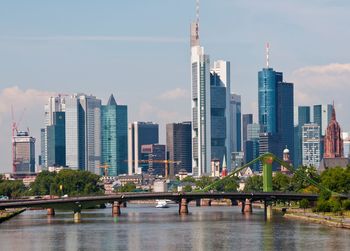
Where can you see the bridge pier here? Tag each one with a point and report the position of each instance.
(267, 210)
(198, 202)
(183, 207)
(116, 208)
(51, 211)
(246, 206)
(77, 216)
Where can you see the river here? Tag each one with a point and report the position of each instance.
(143, 227)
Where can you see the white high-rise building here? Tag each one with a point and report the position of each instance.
(55, 104)
(83, 132)
(311, 152)
(201, 130)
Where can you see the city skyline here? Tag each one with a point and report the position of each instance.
(31, 62)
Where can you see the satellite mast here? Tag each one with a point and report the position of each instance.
(267, 55)
(197, 19)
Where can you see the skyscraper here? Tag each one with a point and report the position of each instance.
(55, 104)
(83, 132)
(268, 81)
(24, 153)
(311, 145)
(322, 116)
(246, 120)
(285, 117)
(221, 113)
(140, 133)
(154, 153)
(346, 144)
(179, 146)
(114, 135)
(276, 111)
(56, 140)
(251, 150)
(303, 118)
(201, 129)
(236, 123)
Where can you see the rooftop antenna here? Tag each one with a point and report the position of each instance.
(197, 19)
(267, 55)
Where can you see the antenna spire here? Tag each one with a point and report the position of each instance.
(267, 55)
(197, 19)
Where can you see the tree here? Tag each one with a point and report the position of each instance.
(12, 188)
(254, 184)
(298, 182)
(227, 185)
(187, 188)
(304, 203)
(336, 179)
(189, 179)
(281, 182)
(128, 187)
(203, 182)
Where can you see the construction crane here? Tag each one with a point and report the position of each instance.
(15, 125)
(163, 161)
(105, 167)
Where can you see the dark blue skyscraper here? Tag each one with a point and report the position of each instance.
(276, 111)
(114, 137)
(56, 140)
(268, 80)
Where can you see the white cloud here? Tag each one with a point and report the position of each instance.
(30, 102)
(174, 94)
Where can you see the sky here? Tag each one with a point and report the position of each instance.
(139, 51)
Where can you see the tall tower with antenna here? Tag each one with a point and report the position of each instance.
(200, 82)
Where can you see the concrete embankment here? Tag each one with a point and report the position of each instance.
(319, 219)
(8, 214)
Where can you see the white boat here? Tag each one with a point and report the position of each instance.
(162, 204)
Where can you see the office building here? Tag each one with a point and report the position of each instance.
(251, 150)
(346, 144)
(246, 120)
(155, 155)
(179, 147)
(56, 140)
(83, 132)
(114, 136)
(140, 133)
(23, 153)
(236, 123)
(303, 117)
(311, 145)
(322, 116)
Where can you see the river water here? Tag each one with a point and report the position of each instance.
(143, 227)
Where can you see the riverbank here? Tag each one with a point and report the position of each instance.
(331, 221)
(8, 214)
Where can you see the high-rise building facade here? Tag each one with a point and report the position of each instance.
(311, 144)
(303, 114)
(268, 81)
(201, 130)
(114, 136)
(24, 153)
(276, 111)
(246, 120)
(140, 133)
(83, 132)
(333, 142)
(285, 117)
(155, 154)
(56, 140)
(251, 150)
(236, 123)
(179, 146)
(54, 104)
(322, 116)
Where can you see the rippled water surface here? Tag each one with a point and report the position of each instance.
(147, 228)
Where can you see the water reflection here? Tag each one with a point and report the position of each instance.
(147, 228)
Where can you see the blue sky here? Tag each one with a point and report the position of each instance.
(139, 50)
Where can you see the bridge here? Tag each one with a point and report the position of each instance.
(183, 199)
(267, 196)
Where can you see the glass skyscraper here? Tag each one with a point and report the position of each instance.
(236, 123)
(303, 118)
(56, 141)
(83, 132)
(268, 80)
(114, 136)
